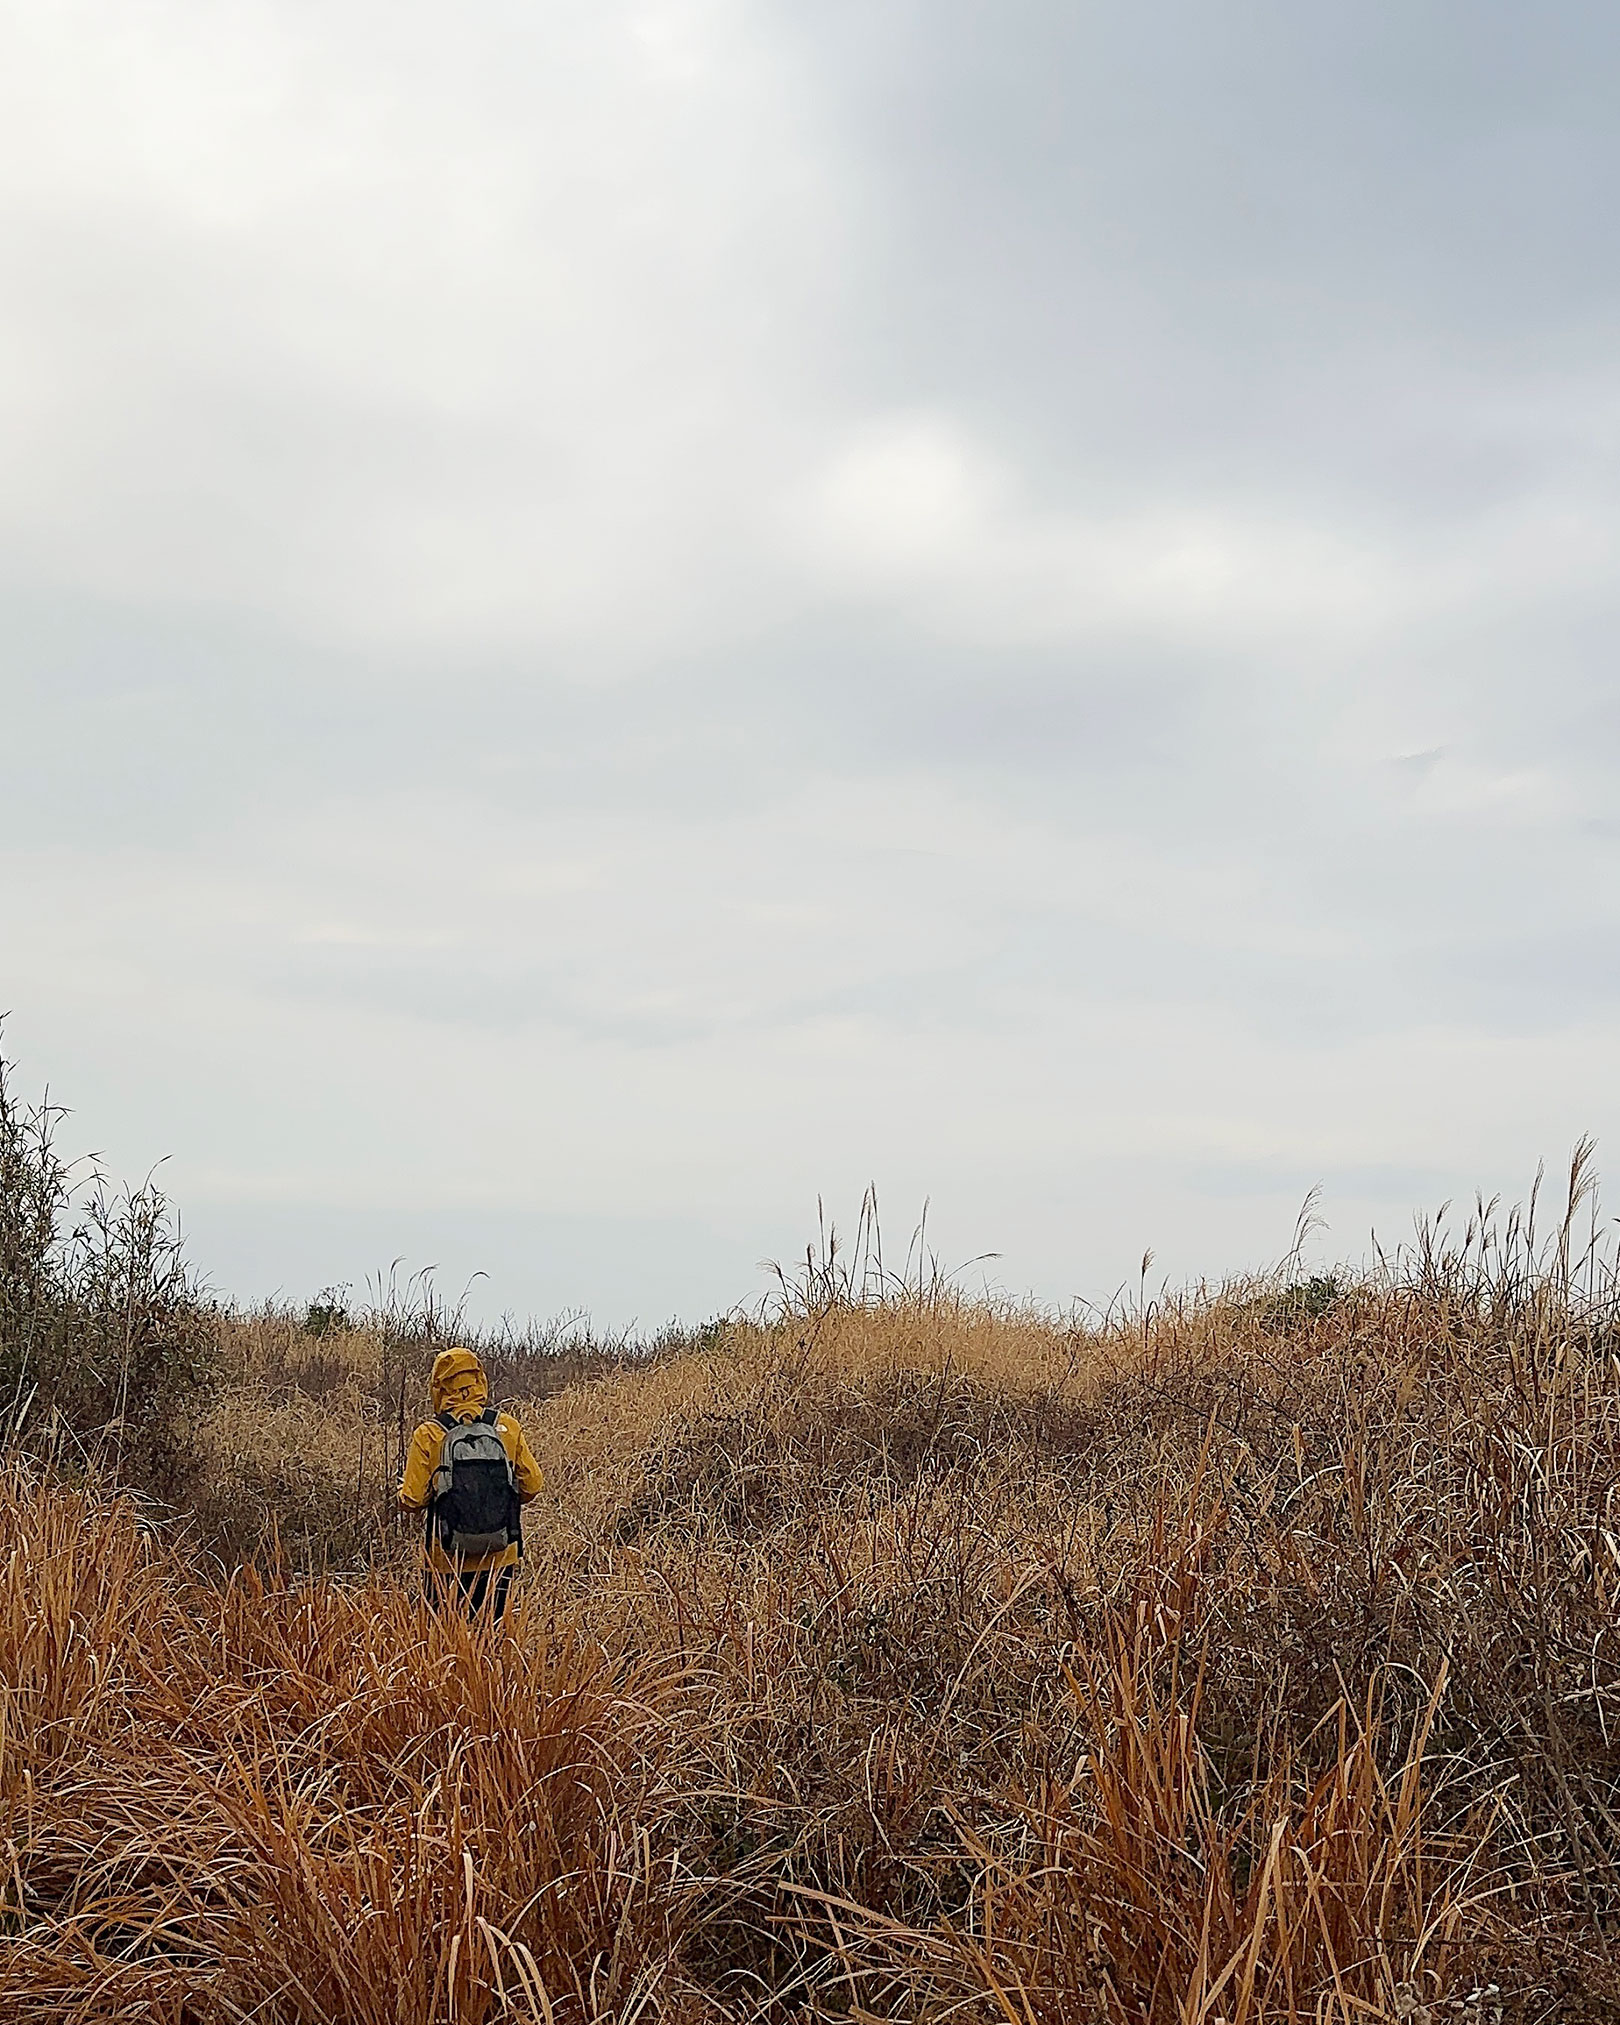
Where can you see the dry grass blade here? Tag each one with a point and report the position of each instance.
(893, 1656)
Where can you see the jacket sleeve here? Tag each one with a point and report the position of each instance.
(530, 1480)
(421, 1460)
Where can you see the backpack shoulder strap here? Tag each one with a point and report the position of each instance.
(446, 1420)
(489, 1413)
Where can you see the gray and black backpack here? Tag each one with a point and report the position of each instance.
(474, 1507)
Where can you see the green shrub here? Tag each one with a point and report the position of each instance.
(328, 1313)
(1302, 1302)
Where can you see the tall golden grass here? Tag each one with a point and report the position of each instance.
(1250, 1657)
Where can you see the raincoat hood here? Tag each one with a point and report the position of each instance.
(458, 1384)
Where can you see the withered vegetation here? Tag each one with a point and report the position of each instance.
(890, 1655)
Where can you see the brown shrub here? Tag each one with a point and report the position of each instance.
(1251, 1659)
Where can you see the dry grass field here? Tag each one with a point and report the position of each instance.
(1246, 1657)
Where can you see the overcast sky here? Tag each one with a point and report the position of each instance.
(614, 616)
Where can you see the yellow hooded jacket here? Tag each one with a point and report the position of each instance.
(458, 1386)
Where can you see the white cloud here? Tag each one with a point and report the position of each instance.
(416, 335)
(911, 511)
(1018, 611)
(910, 508)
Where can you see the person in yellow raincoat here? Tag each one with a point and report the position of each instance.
(460, 1395)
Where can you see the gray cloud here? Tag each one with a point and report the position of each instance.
(627, 613)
